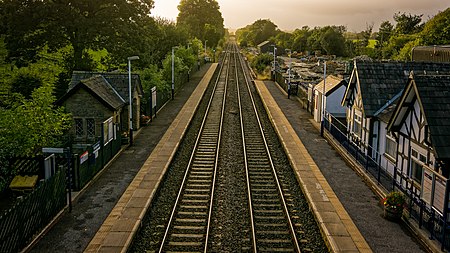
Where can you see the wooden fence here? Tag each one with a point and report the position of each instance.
(32, 213)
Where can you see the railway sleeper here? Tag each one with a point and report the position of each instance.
(268, 249)
(192, 214)
(197, 186)
(195, 201)
(196, 196)
(267, 212)
(271, 219)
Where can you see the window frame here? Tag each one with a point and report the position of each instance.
(418, 160)
(79, 127)
(90, 127)
(388, 149)
(357, 121)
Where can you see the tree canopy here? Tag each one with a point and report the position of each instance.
(202, 19)
(103, 24)
(437, 30)
(260, 31)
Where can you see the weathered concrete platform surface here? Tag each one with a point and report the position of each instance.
(340, 233)
(119, 228)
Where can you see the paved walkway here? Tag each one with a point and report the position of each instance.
(74, 230)
(358, 200)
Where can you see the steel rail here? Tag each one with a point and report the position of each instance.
(196, 145)
(279, 188)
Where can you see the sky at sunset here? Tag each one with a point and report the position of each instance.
(291, 14)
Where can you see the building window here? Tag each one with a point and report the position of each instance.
(90, 127)
(417, 162)
(416, 171)
(79, 130)
(391, 147)
(357, 124)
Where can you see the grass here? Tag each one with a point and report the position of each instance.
(371, 44)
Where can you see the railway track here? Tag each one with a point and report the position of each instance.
(230, 187)
(271, 224)
(189, 223)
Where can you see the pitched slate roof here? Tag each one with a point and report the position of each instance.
(263, 43)
(119, 81)
(380, 82)
(99, 87)
(433, 95)
(385, 114)
(331, 84)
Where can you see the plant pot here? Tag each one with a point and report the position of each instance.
(393, 214)
(125, 140)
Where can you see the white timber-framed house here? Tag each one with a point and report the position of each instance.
(373, 89)
(421, 127)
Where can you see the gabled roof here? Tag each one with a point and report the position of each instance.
(386, 112)
(263, 43)
(331, 84)
(119, 81)
(433, 95)
(380, 82)
(99, 87)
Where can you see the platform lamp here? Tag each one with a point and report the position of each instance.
(289, 78)
(173, 71)
(323, 96)
(274, 61)
(130, 111)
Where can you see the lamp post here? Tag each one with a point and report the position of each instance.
(173, 71)
(323, 96)
(289, 72)
(130, 110)
(205, 47)
(274, 60)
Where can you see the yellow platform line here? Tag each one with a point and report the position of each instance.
(119, 228)
(338, 229)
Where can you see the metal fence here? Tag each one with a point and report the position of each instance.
(32, 213)
(88, 162)
(371, 164)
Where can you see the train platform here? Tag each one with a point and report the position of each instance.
(73, 231)
(117, 231)
(345, 205)
(338, 229)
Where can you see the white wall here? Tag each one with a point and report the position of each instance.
(333, 101)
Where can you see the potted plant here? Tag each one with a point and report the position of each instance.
(393, 205)
(125, 138)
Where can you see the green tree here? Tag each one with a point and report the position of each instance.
(385, 32)
(202, 19)
(407, 23)
(437, 30)
(31, 25)
(404, 54)
(261, 62)
(300, 39)
(284, 40)
(333, 41)
(260, 31)
(31, 124)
